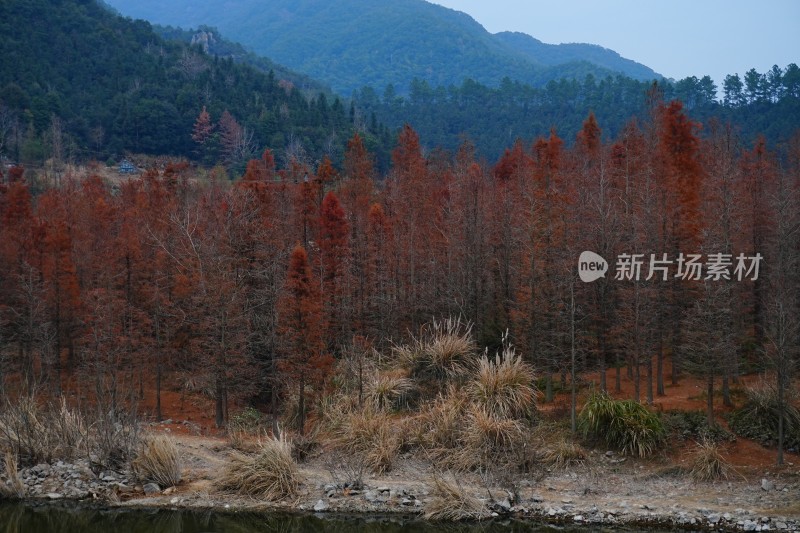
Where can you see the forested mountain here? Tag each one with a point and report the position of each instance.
(215, 44)
(79, 82)
(352, 43)
(493, 118)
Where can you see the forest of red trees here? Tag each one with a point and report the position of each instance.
(250, 290)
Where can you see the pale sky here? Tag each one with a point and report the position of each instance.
(676, 38)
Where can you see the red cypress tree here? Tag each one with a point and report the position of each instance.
(300, 311)
(334, 250)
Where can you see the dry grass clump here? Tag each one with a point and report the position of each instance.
(271, 473)
(373, 435)
(564, 453)
(387, 390)
(504, 386)
(37, 434)
(487, 441)
(451, 502)
(12, 487)
(439, 427)
(158, 461)
(444, 350)
(708, 463)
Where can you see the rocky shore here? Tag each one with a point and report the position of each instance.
(613, 491)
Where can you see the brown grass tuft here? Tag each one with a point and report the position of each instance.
(564, 453)
(451, 502)
(372, 434)
(387, 390)
(444, 350)
(504, 386)
(708, 463)
(158, 461)
(12, 487)
(271, 474)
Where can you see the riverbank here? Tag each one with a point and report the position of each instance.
(607, 489)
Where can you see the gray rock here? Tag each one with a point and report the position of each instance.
(407, 501)
(781, 525)
(55, 495)
(504, 504)
(713, 518)
(749, 525)
(767, 485)
(151, 488)
(321, 506)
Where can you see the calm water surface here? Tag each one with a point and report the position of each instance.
(28, 518)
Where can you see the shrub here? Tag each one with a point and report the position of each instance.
(693, 425)
(708, 464)
(271, 473)
(452, 503)
(504, 386)
(158, 461)
(758, 418)
(625, 425)
(41, 434)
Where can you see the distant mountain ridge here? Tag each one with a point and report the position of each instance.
(349, 44)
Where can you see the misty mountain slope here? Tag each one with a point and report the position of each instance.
(555, 54)
(352, 43)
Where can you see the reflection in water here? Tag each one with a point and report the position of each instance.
(28, 518)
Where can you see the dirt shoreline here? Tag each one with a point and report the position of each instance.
(609, 490)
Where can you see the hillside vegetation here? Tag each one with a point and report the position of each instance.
(352, 43)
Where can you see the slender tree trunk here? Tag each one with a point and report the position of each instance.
(710, 401)
(781, 416)
(302, 407)
(219, 418)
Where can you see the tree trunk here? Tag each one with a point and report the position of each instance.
(218, 414)
(710, 401)
(301, 405)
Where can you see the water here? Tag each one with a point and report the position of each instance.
(64, 518)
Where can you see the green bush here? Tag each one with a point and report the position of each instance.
(758, 419)
(694, 425)
(626, 425)
(248, 419)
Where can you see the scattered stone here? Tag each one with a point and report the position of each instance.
(749, 525)
(174, 500)
(504, 504)
(321, 506)
(767, 485)
(151, 488)
(714, 518)
(407, 501)
(55, 495)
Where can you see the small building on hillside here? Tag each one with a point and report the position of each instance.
(126, 167)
